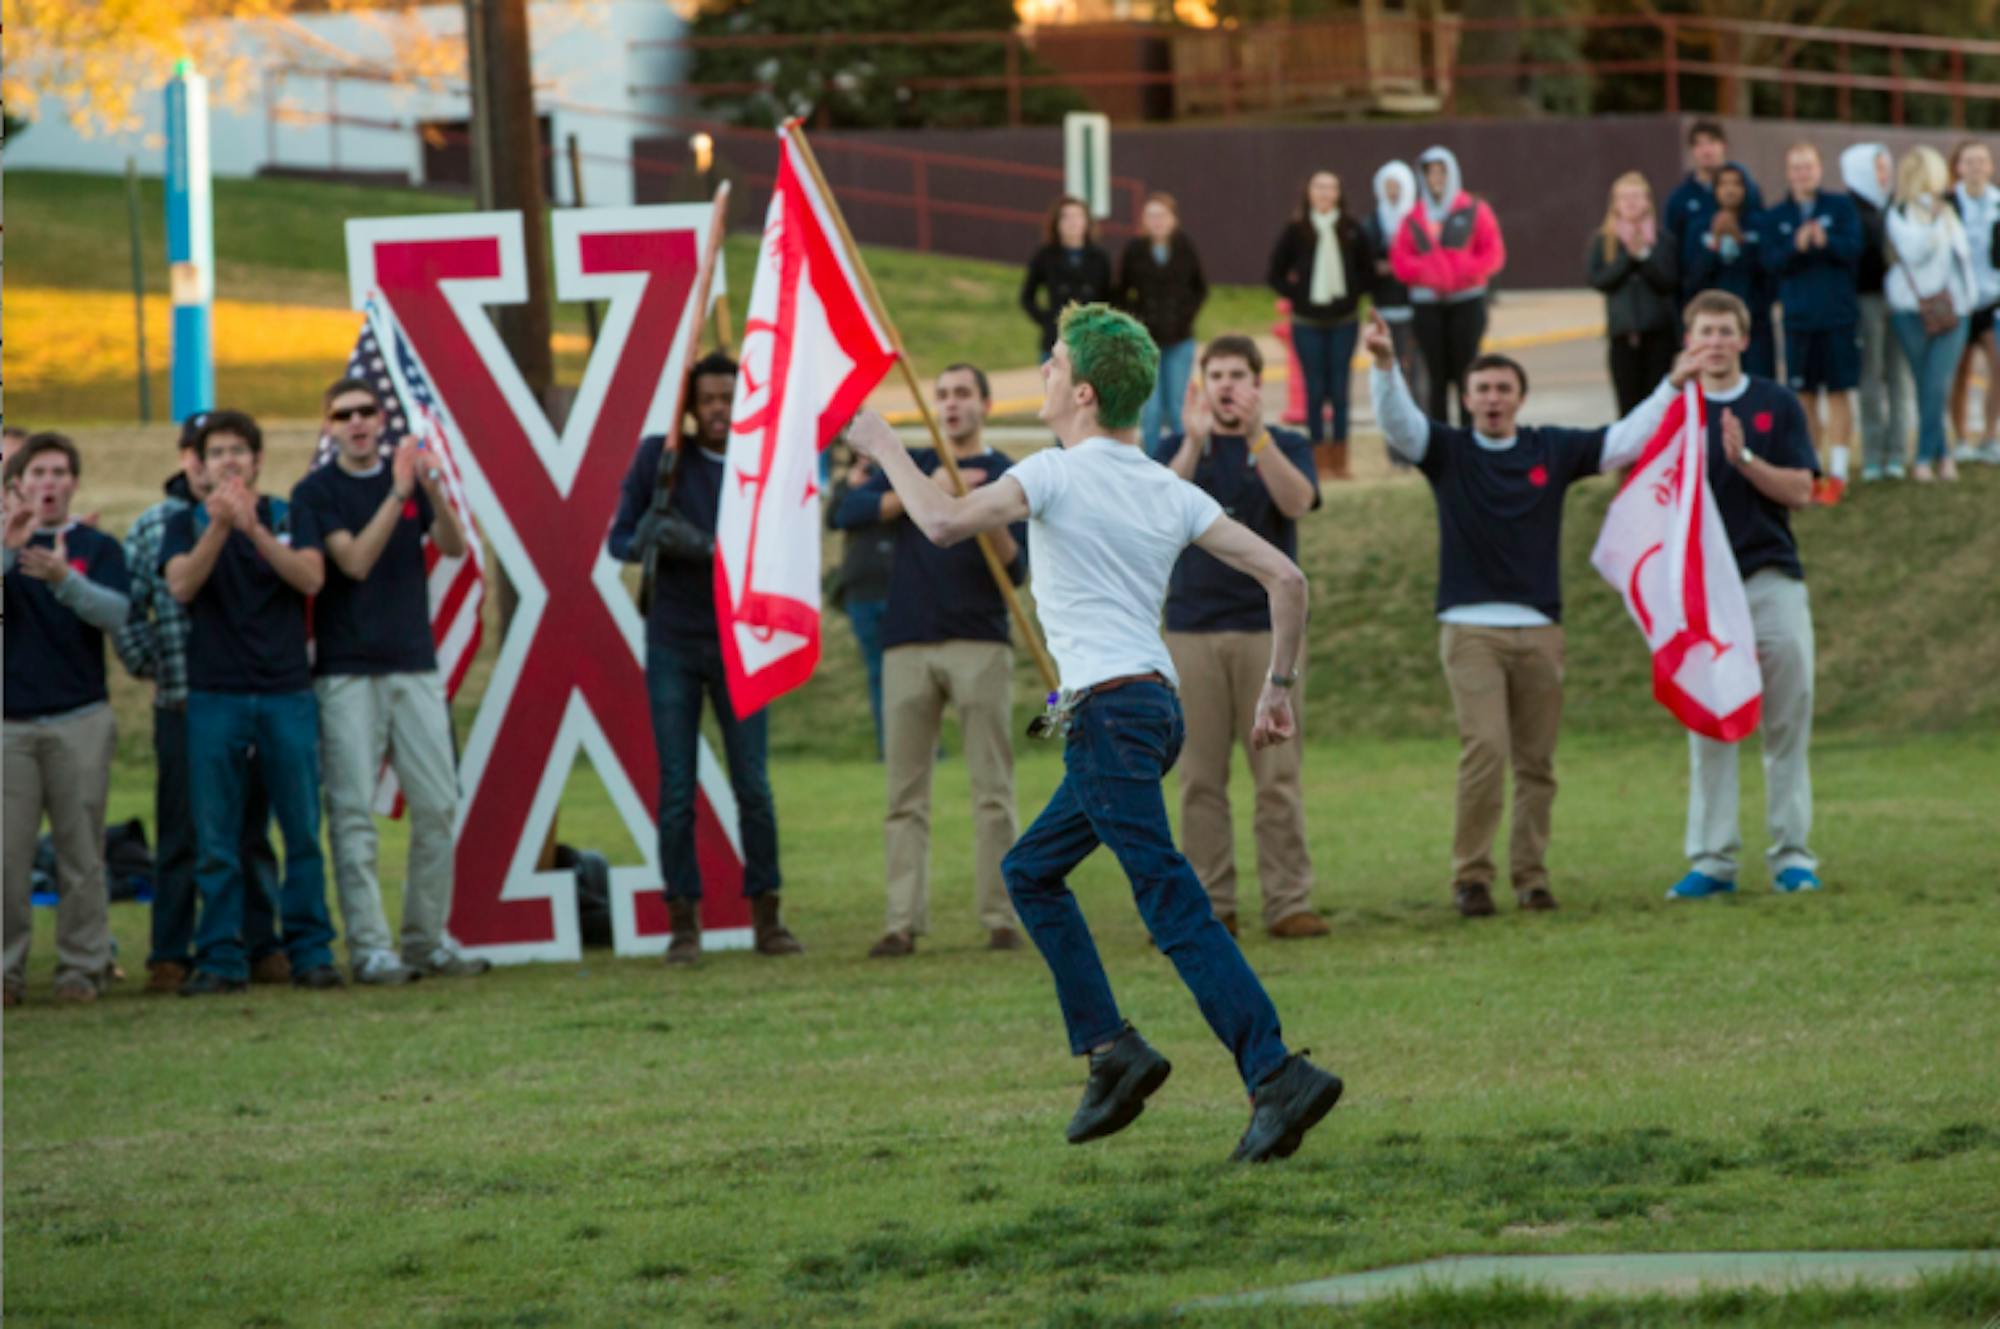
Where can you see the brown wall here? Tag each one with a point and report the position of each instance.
(1546, 179)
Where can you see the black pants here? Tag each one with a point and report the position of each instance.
(1638, 363)
(1448, 335)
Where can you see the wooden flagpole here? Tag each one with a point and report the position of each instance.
(796, 135)
(718, 226)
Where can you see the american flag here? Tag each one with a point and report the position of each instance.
(382, 357)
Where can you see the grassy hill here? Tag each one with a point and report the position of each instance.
(281, 259)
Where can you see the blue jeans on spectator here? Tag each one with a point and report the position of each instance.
(174, 854)
(865, 617)
(280, 731)
(1325, 356)
(1121, 745)
(1162, 413)
(1932, 363)
(678, 675)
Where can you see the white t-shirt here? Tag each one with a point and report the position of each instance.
(1106, 524)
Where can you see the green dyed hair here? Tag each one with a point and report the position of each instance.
(1115, 354)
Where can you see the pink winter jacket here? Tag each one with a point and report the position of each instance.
(1451, 260)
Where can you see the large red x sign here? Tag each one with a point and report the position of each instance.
(570, 675)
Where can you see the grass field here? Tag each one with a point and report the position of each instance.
(837, 1141)
(283, 328)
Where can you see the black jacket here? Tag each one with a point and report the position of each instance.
(1292, 269)
(1053, 283)
(1874, 268)
(1164, 296)
(1638, 296)
(1386, 292)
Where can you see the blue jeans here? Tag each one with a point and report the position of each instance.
(1162, 413)
(1121, 745)
(174, 854)
(865, 617)
(1932, 362)
(678, 674)
(1325, 356)
(281, 731)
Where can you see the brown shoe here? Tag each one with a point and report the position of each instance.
(1337, 454)
(1305, 923)
(1228, 921)
(892, 945)
(273, 968)
(76, 988)
(685, 947)
(1473, 899)
(11, 999)
(772, 937)
(166, 977)
(1003, 939)
(1537, 900)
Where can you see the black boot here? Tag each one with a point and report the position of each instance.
(1289, 1102)
(1122, 1077)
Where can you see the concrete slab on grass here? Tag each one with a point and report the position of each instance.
(1679, 1274)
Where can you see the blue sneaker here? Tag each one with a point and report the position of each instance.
(1699, 886)
(1793, 880)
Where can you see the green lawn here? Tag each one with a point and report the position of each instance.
(839, 1141)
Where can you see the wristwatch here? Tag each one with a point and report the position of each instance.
(1286, 681)
(1747, 457)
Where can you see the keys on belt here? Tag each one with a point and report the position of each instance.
(1060, 710)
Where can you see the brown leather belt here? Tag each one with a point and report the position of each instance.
(1124, 681)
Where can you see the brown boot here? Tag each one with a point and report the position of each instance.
(892, 945)
(772, 936)
(165, 977)
(1473, 899)
(273, 968)
(1537, 900)
(1323, 460)
(1337, 454)
(685, 948)
(1003, 939)
(1305, 923)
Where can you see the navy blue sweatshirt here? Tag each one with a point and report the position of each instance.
(55, 660)
(1817, 287)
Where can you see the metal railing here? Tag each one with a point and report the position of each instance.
(1233, 70)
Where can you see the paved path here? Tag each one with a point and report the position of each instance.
(1680, 1274)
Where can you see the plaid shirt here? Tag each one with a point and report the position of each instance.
(153, 643)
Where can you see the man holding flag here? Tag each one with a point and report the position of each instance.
(1499, 492)
(1762, 467)
(381, 696)
(1107, 525)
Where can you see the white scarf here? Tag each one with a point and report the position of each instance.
(1329, 275)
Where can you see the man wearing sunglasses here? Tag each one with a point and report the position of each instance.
(376, 677)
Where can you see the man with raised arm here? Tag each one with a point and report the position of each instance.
(1499, 492)
(1106, 525)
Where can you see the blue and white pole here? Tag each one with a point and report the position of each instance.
(190, 242)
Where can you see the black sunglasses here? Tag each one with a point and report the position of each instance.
(353, 412)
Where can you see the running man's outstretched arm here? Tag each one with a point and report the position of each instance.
(945, 519)
(1238, 547)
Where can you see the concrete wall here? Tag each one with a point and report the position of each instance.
(582, 55)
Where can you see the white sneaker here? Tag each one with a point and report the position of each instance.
(1895, 470)
(382, 968)
(1965, 452)
(447, 961)
(1989, 452)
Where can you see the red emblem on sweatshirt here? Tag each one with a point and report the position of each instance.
(1539, 477)
(1763, 422)
(409, 509)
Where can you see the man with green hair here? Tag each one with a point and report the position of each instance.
(1106, 525)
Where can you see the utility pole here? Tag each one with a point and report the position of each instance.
(507, 169)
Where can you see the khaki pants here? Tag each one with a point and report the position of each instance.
(363, 718)
(63, 767)
(1506, 686)
(917, 681)
(1781, 615)
(1221, 675)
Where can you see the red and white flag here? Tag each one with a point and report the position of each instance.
(813, 349)
(382, 356)
(1664, 547)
